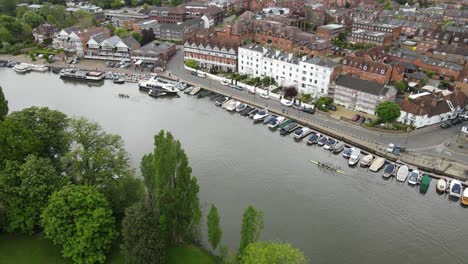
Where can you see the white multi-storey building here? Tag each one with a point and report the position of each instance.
(73, 40)
(310, 76)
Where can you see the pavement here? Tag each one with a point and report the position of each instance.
(427, 139)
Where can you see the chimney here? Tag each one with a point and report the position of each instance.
(304, 58)
(290, 56)
(277, 53)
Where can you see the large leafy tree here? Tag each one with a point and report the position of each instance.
(96, 157)
(252, 226)
(169, 181)
(7, 7)
(48, 128)
(142, 239)
(79, 218)
(57, 15)
(3, 105)
(214, 229)
(388, 111)
(25, 190)
(33, 19)
(272, 252)
(122, 193)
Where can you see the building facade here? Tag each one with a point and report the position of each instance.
(361, 95)
(311, 76)
(110, 49)
(378, 27)
(154, 51)
(73, 40)
(371, 37)
(330, 31)
(211, 55)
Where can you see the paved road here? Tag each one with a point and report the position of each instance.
(430, 139)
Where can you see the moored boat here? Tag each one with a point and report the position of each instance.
(455, 189)
(119, 80)
(377, 164)
(441, 185)
(354, 157)
(464, 198)
(260, 115)
(156, 93)
(188, 90)
(269, 119)
(414, 177)
(253, 112)
(246, 111)
(226, 103)
(347, 152)
(402, 173)
(38, 68)
(276, 122)
(195, 90)
(232, 106)
(330, 144)
(389, 170)
(285, 123)
(366, 160)
(313, 138)
(288, 129)
(322, 140)
(22, 68)
(241, 107)
(81, 75)
(338, 148)
(302, 132)
(220, 101)
(424, 184)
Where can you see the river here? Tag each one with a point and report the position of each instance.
(333, 218)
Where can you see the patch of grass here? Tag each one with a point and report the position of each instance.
(188, 254)
(22, 249)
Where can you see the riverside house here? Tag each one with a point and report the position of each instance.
(73, 40)
(113, 48)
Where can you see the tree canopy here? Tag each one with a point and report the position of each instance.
(269, 252)
(252, 226)
(142, 239)
(168, 178)
(25, 190)
(388, 111)
(33, 19)
(80, 220)
(214, 229)
(3, 105)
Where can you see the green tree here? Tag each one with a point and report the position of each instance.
(191, 63)
(3, 105)
(33, 19)
(388, 5)
(116, 4)
(214, 229)
(96, 157)
(347, 4)
(168, 179)
(272, 252)
(122, 193)
(57, 15)
(266, 81)
(84, 19)
(80, 220)
(176, 2)
(142, 239)
(388, 111)
(35, 130)
(121, 32)
(401, 86)
(252, 226)
(7, 7)
(25, 190)
(137, 36)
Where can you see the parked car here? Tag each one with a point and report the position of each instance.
(362, 120)
(445, 125)
(330, 107)
(201, 74)
(286, 102)
(356, 118)
(264, 95)
(455, 121)
(224, 83)
(194, 73)
(297, 106)
(309, 110)
(391, 147)
(238, 87)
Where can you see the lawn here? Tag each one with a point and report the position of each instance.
(20, 249)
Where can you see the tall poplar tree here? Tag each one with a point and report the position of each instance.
(252, 226)
(3, 105)
(214, 229)
(169, 180)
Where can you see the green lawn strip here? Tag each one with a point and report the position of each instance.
(189, 254)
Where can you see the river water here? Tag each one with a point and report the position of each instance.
(333, 218)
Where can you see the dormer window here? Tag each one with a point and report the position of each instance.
(365, 67)
(382, 71)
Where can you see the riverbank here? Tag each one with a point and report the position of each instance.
(435, 166)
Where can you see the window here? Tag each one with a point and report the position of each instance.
(310, 80)
(315, 81)
(382, 72)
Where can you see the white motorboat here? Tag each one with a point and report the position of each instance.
(276, 122)
(90, 76)
(414, 177)
(354, 157)
(39, 68)
(22, 68)
(377, 164)
(232, 106)
(441, 185)
(195, 90)
(260, 115)
(241, 107)
(347, 152)
(302, 132)
(455, 188)
(366, 160)
(322, 140)
(228, 102)
(402, 173)
(389, 170)
(464, 199)
(330, 144)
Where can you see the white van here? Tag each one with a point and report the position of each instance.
(201, 74)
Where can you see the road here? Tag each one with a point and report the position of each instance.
(430, 139)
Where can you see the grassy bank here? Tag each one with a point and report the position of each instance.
(20, 249)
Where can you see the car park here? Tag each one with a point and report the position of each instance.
(356, 118)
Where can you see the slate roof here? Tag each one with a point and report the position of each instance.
(322, 62)
(100, 37)
(362, 85)
(130, 42)
(154, 47)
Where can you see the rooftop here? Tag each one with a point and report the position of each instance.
(362, 85)
(331, 26)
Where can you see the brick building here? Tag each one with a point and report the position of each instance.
(211, 54)
(184, 12)
(330, 31)
(430, 39)
(449, 53)
(155, 51)
(371, 37)
(378, 27)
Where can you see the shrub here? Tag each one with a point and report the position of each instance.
(305, 98)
